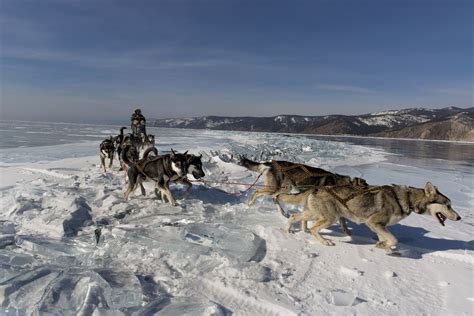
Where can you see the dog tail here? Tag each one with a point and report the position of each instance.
(121, 130)
(252, 165)
(297, 199)
(125, 156)
(148, 151)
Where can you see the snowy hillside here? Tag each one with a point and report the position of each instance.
(367, 124)
(213, 255)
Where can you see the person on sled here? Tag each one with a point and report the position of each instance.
(138, 122)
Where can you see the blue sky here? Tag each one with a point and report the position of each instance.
(71, 60)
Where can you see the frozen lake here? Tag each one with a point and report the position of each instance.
(214, 255)
(17, 134)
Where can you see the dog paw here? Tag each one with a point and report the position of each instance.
(327, 242)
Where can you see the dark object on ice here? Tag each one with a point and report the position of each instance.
(97, 233)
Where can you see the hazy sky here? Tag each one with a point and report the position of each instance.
(72, 60)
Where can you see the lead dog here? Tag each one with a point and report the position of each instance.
(107, 150)
(161, 169)
(377, 207)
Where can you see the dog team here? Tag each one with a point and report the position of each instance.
(326, 197)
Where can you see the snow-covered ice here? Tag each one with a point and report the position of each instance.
(213, 255)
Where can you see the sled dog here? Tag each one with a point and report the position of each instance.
(278, 174)
(161, 169)
(118, 140)
(133, 153)
(376, 206)
(107, 151)
(193, 166)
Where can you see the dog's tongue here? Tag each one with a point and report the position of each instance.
(441, 218)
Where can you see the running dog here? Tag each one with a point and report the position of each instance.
(118, 140)
(129, 153)
(193, 166)
(107, 150)
(140, 163)
(281, 176)
(161, 169)
(133, 153)
(376, 206)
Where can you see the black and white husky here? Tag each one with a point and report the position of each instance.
(107, 151)
(163, 170)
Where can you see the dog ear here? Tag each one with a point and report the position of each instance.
(430, 190)
(173, 152)
(200, 156)
(186, 152)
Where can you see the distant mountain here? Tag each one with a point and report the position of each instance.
(457, 127)
(450, 123)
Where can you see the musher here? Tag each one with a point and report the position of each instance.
(137, 119)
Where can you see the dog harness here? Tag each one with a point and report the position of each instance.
(142, 170)
(361, 191)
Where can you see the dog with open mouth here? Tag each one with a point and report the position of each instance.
(375, 206)
(193, 167)
(161, 169)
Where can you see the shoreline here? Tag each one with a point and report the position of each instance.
(278, 133)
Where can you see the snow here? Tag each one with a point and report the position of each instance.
(213, 255)
(392, 120)
(215, 123)
(280, 118)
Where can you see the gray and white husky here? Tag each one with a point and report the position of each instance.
(376, 206)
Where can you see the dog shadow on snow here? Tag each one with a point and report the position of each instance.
(412, 241)
(212, 195)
